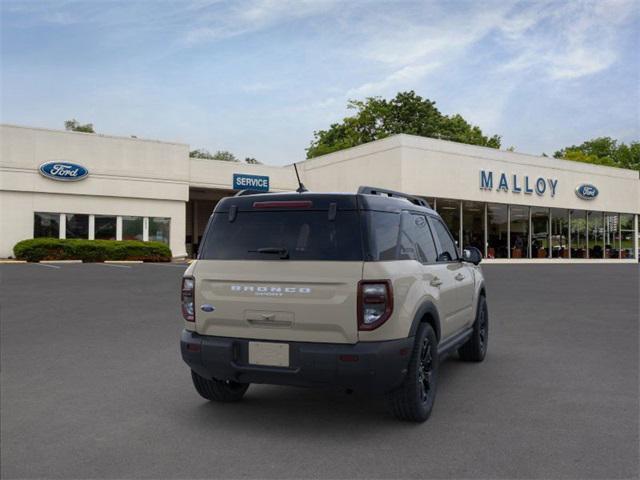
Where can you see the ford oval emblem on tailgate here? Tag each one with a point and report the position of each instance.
(207, 308)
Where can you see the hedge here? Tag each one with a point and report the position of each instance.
(36, 249)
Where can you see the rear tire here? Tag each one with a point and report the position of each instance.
(475, 349)
(414, 399)
(218, 390)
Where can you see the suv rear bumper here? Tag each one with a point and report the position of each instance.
(374, 367)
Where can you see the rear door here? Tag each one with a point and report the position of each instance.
(456, 279)
(280, 273)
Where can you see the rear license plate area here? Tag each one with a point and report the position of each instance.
(269, 354)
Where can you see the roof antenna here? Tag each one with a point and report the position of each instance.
(301, 188)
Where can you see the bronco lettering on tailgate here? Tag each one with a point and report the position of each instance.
(272, 291)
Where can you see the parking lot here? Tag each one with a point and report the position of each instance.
(92, 386)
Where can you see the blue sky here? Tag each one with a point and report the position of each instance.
(258, 77)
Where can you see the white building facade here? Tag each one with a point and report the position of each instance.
(513, 207)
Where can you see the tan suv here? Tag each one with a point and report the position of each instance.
(362, 291)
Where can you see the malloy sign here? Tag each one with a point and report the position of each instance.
(518, 183)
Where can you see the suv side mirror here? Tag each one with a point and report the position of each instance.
(471, 255)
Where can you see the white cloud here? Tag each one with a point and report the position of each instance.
(564, 41)
(246, 17)
(405, 77)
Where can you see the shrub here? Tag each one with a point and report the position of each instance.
(36, 249)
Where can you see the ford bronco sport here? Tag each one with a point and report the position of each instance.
(362, 291)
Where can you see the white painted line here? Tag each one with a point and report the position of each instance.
(46, 265)
(123, 261)
(112, 265)
(60, 261)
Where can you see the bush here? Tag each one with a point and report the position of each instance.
(37, 249)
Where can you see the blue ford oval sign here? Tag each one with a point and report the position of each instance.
(586, 191)
(63, 171)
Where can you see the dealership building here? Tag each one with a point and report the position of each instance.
(514, 207)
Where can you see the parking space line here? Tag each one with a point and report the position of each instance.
(113, 265)
(46, 265)
(183, 265)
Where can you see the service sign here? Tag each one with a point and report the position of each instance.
(586, 191)
(63, 171)
(257, 183)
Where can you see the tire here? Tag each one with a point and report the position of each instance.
(475, 349)
(414, 399)
(218, 390)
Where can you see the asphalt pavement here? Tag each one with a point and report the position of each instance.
(93, 386)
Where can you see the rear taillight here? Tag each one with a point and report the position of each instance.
(375, 303)
(188, 310)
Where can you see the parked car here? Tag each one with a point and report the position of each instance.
(362, 291)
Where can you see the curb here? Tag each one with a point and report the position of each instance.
(60, 261)
(3, 261)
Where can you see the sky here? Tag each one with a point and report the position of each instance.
(258, 77)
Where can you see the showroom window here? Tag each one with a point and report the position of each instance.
(473, 225)
(626, 236)
(77, 226)
(46, 225)
(578, 234)
(105, 227)
(611, 235)
(539, 232)
(101, 227)
(595, 235)
(519, 231)
(132, 228)
(497, 231)
(449, 211)
(159, 229)
(559, 233)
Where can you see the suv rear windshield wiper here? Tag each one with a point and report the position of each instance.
(283, 252)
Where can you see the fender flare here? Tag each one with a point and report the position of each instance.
(427, 308)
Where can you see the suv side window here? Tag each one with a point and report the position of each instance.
(448, 251)
(416, 239)
(384, 232)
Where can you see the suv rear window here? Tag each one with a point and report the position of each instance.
(303, 235)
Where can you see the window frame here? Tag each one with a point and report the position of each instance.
(436, 238)
(429, 233)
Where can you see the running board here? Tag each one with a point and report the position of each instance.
(453, 343)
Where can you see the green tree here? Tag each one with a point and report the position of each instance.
(225, 156)
(252, 161)
(377, 118)
(604, 151)
(201, 153)
(74, 126)
(219, 155)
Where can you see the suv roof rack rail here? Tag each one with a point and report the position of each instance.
(392, 193)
